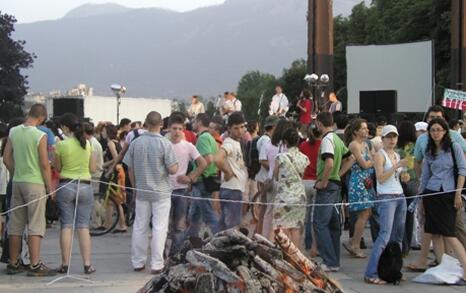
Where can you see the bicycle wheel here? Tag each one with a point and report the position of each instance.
(130, 210)
(104, 216)
(256, 208)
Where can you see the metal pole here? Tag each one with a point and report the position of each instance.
(118, 96)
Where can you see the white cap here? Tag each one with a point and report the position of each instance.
(387, 129)
(421, 126)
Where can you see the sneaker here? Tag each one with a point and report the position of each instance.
(327, 269)
(12, 269)
(40, 270)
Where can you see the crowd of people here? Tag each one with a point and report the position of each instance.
(191, 170)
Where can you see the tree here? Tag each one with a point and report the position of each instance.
(210, 107)
(13, 58)
(252, 86)
(292, 80)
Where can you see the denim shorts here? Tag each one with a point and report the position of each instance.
(66, 201)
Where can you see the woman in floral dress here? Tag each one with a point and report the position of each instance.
(288, 173)
(361, 184)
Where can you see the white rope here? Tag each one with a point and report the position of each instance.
(37, 199)
(278, 204)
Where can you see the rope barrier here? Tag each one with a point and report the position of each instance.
(273, 203)
(342, 204)
(37, 199)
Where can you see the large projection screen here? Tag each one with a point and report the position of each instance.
(404, 68)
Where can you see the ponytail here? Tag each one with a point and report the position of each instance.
(75, 126)
(79, 134)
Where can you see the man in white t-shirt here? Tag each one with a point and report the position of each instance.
(279, 105)
(185, 152)
(196, 107)
(229, 160)
(231, 105)
(263, 175)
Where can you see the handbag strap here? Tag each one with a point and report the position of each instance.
(455, 164)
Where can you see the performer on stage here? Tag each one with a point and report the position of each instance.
(196, 107)
(231, 104)
(279, 105)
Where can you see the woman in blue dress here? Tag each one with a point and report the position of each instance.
(361, 183)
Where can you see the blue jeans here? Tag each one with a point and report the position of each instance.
(178, 216)
(231, 211)
(66, 202)
(327, 224)
(392, 216)
(201, 210)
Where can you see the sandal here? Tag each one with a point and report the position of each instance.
(433, 263)
(355, 253)
(414, 268)
(63, 269)
(374, 281)
(89, 269)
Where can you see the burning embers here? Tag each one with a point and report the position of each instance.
(231, 262)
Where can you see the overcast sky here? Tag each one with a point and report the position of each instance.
(35, 10)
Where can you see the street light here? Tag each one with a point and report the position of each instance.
(118, 90)
(318, 83)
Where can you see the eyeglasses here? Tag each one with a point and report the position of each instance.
(433, 130)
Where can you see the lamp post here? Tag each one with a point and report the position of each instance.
(317, 84)
(118, 90)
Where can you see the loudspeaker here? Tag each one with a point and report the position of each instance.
(68, 105)
(375, 102)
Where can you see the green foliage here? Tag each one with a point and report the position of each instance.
(251, 87)
(182, 107)
(391, 22)
(210, 107)
(13, 58)
(292, 80)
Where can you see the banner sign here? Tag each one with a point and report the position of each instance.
(454, 99)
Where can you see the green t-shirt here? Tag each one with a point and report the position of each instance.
(25, 142)
(206, 145)
(74, 159)
(331, 147)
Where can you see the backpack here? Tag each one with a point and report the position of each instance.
(252, 157)
(390, 264)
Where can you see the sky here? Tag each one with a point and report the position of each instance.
(27, 11)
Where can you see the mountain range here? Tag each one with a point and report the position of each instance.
(162, 53)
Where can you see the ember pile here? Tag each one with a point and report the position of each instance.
(231, 262)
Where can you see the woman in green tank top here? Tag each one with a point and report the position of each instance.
(73, 159)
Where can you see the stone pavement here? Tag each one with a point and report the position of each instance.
(111, 257)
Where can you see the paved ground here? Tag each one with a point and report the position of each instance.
(114, 274)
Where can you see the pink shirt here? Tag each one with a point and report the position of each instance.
(184, 153)
(271, 152)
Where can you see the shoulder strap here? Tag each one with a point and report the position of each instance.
(455, 164)
(136, 134)
(294, 166)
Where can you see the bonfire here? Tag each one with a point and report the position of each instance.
(232, 262)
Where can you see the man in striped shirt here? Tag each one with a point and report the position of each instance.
(150, 160)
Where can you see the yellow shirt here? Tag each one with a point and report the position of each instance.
(74, 159)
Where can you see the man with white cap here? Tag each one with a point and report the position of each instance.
(421, 128)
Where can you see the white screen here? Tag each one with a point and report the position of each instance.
(405, 68)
